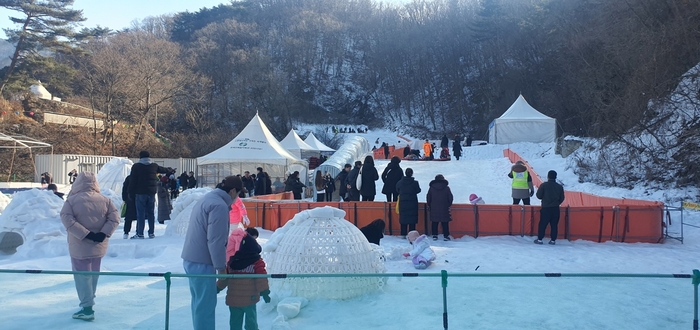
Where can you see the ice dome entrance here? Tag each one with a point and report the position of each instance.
(321, 241)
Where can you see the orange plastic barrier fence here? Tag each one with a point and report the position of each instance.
(275, 197)
(583, 216)
(628, 223)
(379, 152)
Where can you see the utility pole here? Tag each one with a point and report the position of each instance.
(155, 124)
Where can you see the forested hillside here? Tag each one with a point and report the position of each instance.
(428, 67)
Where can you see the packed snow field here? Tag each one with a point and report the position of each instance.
(31, 301)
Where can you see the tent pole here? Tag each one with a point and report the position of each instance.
(14, 150)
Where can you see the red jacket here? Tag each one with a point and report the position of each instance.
(244, 291)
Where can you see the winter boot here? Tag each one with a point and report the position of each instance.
(434, 237)
(538, 241)
(552, 242)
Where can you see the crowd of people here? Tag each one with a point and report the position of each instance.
(212, 247)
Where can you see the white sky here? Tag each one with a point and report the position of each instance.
(39, 301)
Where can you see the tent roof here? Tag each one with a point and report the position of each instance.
(255, 143)
(520, 109)
(314, 142)
(293, 142)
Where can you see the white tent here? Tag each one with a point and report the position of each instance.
(295, 145)
(522, 123)
(314, 142)
(254, 147)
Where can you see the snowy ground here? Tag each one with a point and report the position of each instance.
(47, 301)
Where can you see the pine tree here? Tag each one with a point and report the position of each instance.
(46, 26)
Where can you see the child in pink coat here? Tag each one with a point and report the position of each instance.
(238, 213)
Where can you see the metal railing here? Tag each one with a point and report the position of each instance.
(443, 275)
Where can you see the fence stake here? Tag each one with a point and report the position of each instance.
(167, 300)
(696, 281)
(444, 298)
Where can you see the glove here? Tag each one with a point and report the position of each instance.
(96, 237)
(246, 221)
(406, 254)
(532, 192)
(266, 296)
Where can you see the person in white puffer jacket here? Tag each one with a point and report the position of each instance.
(421, 253)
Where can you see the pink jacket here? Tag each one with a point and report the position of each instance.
(234, 242)
(237, 212)
(85, 211)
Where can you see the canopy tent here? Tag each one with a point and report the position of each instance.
(354, 148)
(522, 123)
(295, 145)
(314, 142)
(15, 142)
(254, 147)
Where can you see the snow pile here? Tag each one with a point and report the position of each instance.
(4, 201)
(36, 215)
(111, 176)
(321, 241)
(182, 209)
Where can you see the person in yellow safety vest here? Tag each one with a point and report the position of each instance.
(522, 183)
(427, 148)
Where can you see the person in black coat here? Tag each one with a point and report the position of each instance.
(374, 232)
(191, 181)
(294, 185)
(183, 179)
(248, 182)
(369, 175)
(439, 200)
(330, 186)
(444, 142)
(552, 195)
(260, 183)
(130, 214)
(469, 140)
(164, 204)
(268, 184)
(456, 148)
(341, 179)
(391, 176)
(386, 150)
(406, 151)
(408, 189)
(351, 182)
(143, 187)
(52, 187)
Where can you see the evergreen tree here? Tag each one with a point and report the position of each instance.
(45, 26)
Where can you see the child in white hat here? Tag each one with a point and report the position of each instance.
(422, 254)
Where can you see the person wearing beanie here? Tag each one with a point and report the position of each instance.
(142, 190)
(244, 293)
(408, 189)
(551, 194)
(421, 254)
(522, 183)
(204, 250)
(474, 199)
(391, 176)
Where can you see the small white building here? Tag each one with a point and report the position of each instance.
(39, 91)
